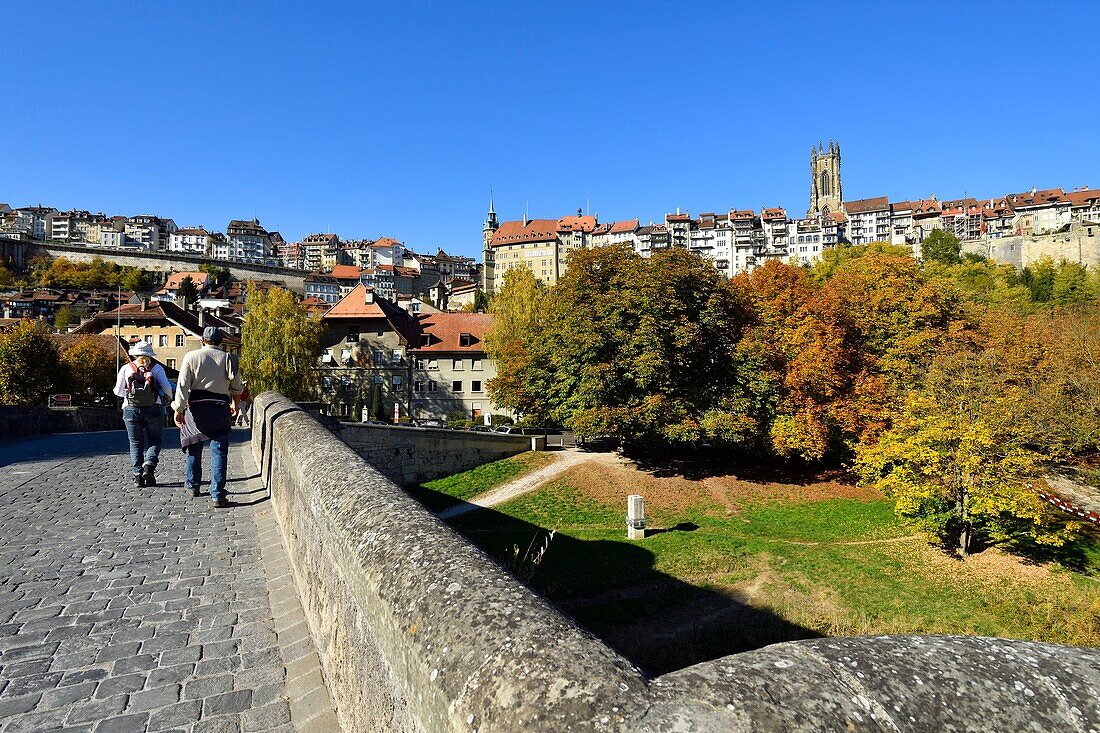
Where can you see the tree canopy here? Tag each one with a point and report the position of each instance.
(30, 367)
(280, 343)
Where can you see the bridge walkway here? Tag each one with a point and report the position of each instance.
(143, 609)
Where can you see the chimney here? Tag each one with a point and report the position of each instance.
(202, 318)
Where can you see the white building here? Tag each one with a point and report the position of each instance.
(868, 220)
(247, 241)
(192, 240)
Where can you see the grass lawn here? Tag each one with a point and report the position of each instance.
(732, 565)
(444, 492)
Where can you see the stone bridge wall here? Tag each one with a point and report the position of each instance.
(168, 262)
(411, 456)
(20, 421)
(418, 630)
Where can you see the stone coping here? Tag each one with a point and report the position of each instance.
(420, 630)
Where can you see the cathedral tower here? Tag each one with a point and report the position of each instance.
(488, 266)
(826, 193)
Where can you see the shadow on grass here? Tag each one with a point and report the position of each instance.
(1081, 554)
(695, 464)
(611, 588)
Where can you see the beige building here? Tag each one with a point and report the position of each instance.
(171, 330)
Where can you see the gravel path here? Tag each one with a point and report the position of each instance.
(565, 460)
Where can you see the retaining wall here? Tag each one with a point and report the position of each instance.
(418, 630)
(410, 456)
(20, 421)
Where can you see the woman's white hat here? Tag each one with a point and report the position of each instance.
(143, 348)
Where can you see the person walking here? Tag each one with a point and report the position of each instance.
(145, 390)
(207, 393)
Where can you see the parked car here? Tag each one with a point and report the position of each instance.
(481, 428)
(431, 423)
(508, 430)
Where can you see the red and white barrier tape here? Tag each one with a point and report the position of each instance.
(1070, 508)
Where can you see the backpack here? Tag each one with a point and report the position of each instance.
(141, 388)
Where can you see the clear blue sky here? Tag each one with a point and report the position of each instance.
(395, 119)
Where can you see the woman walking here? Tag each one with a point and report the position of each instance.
(145, 390)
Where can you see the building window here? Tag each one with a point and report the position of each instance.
(179, 340)
(353, 334)
(162, 340)
(418, 386)
(433, 387)
(378, 379)
(171, 363)
(419, 363)
(456, 365)
(148, 338)
(475, 386)
(432, 365)
(475, 364)
(395, 356)
(466, 339)
(456, 386)
(398, 383)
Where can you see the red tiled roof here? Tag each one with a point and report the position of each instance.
(354, 306)
(384, 242)
(742, 215)
(1083, 198)
(346, 272)
(516, 232)
(446, 329)
(677, 217)
(1039, 198)
(838, 216)
(199, 279)
(863, 206)
(776, 213)
(627, 225)
(576, 223)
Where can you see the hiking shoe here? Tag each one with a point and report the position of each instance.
(150, 475)
(221, 503)
(139, 480)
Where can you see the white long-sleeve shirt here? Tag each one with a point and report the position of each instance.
(208, 368)
(164, 387)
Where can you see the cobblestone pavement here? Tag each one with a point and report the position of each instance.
(126, 609)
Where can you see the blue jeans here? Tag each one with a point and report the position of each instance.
(219, 452)
(143, 427)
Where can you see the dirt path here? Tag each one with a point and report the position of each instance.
(565, 460)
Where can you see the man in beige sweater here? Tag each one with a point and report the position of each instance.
(208, 388)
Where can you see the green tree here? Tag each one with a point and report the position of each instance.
(30, 369)
(64, 318)
(187, 291)
(1039, 279)
(218, 275)
(957, 460)
(280, 344)
(941, 246)
(1069, 284)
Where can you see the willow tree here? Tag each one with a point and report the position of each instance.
(280, 344)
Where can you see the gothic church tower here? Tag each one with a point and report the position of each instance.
(826, 194)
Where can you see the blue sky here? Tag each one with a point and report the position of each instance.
(396, 119)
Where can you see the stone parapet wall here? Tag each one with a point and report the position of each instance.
(20, 421)
(411, 456)
(418, 630)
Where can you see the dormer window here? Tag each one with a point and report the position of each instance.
(466, 339)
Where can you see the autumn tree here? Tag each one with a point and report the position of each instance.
(279, 345)
(87, 364)
(515, 342)
(957, 460)
(30, 369)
